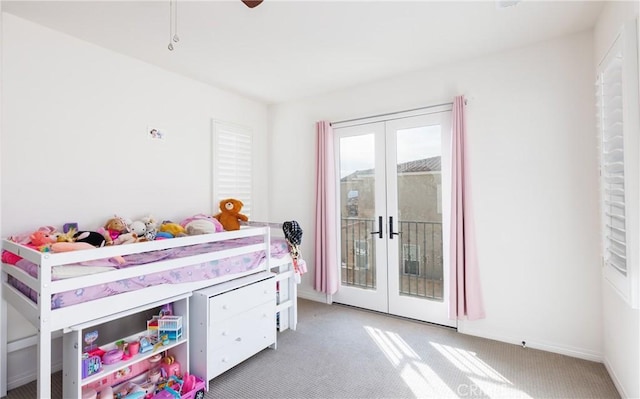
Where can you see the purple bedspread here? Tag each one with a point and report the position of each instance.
(198, 272)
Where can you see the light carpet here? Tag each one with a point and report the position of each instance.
(343, 352)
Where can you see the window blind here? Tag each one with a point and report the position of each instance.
(232, 153)
(612, 168)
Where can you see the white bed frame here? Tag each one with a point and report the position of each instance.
(48, 320)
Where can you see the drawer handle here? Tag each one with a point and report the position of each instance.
(224, 307)
(238, 339)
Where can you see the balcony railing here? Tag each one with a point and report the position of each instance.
(420, 261)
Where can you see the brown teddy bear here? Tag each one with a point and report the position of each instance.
(230, 215)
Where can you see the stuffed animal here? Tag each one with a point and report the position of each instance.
(64, 246)
(91, 237)
(151, 227)
(41, 238)
(66, 237)
(138, 228)
(126, 238)
(25, 238)
(230, 215)
(116, 226)
(173, 229)
(201, 224)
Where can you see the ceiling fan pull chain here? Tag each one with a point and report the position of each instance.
(170, 46)
(175, 22)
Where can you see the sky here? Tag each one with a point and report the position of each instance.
(358, 152)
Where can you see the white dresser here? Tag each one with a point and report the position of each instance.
(231, 322)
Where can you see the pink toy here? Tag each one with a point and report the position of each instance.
(196, 391)
(188, 382)
(134, 348)
(10, 257)
(70, 246)
(112, 356)
(169, 369)
(41, 237)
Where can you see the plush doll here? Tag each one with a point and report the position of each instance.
(230, 215)
(116, 226)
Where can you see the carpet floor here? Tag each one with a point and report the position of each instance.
(343, 352)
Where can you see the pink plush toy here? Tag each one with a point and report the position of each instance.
(41, 238)
(70, 246)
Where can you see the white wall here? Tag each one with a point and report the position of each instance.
(532, 145)
(621, 323)
(74, 142)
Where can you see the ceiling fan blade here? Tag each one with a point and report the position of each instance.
(252, 3)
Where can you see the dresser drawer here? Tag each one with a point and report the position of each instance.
(257, 321)
(235, 302)
(249, 338)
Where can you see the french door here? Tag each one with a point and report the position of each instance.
(394, 204)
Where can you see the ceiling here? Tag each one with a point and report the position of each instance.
(286, 50)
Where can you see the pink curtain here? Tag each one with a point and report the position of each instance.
(326, 263)
(465, 294)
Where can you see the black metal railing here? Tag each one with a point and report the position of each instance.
(420, 263)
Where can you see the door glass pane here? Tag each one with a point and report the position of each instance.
(419, 185)
(357, 209)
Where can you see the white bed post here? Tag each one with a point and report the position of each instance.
(293, 296)
(3, 303)
(3, 344)
(44, 330)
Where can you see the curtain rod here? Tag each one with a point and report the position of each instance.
(393, 113)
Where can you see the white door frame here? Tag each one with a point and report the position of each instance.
(381, 150)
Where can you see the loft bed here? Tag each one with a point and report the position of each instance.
(41, 286)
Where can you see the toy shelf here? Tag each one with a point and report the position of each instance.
(73, 349)
(122, 364)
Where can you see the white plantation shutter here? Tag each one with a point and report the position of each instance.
(619, 140)
(610, 122)
(232, 150)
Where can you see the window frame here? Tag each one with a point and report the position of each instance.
(244, 156)
(626, 46)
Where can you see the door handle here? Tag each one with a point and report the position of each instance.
(391, 232)
(379, 232)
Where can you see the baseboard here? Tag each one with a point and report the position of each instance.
(22, 368)
(312, 296)
(615, 379)
(579, 353)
